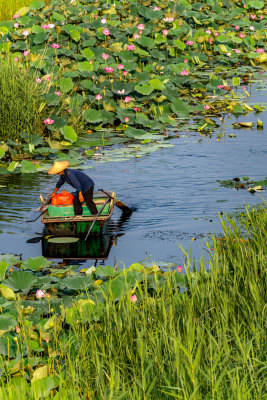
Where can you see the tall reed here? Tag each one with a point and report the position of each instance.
(207, 343)
(20, 101)
(9, 7)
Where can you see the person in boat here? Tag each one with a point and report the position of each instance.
(83, 184)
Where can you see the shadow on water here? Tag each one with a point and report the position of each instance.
(97, 247)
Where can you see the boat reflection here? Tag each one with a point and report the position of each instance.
(97, 247)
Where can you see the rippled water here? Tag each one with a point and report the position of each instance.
(173, 191)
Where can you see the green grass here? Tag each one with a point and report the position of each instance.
(206, 343)
(21, 108)
(9, 7)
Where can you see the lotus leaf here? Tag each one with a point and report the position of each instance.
(35, 264)
(20, 280)
(3, 267)
(69, 133)
(7, 293)
(6, 322)
(105, 271)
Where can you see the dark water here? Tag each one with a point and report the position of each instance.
(173, 191)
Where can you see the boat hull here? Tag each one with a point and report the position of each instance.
(59, 223)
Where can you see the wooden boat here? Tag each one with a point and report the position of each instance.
(61, 220)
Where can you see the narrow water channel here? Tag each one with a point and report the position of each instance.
(174, 193)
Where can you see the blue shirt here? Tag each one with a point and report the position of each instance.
(77, 179)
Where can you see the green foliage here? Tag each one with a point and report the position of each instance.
(152, 331)
(20, 101)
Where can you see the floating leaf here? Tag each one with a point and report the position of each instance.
(63, 240)
(69, 133)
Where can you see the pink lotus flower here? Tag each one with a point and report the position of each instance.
(156, 8)
(126, 119)
(17, 329)
(237, 27)
(136, 109)
(26, 53)
(245, 5)
(179, 268)
(210, 40)
(48, 121)
(136, 36)
(45, 27)
(229, 54)
(140, 31)
(57, 93)
(16, 59)
(165, 32)
(47, 78)
(127, 99)
(141, 26)
(260, 50)
(25, 33)
(130, 47)
(208, 31)
(120, 66)
(189, 43)
(55, 46)
(167, 19)
(51, 26)
(253, 16)
(216, 34)
(106, 32)
(237, 51)
(206, 107)
(98, 97)
(220, 86)
(38, 80)
(184, 72)
(186, 61)
(121, 91)
(125, 73)
(252, 28)
(133, 298)
(16, 25)
(105, 56)
(261, 16)
(109, 70)
(103, 21)
(242, 35)
(39, 294)
(15, 16)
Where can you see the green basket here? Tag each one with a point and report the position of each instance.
(68, 211)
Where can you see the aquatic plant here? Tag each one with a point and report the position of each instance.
(141, 332)
(93, 40)
(21, 107)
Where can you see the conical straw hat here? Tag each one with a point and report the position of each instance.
(59, 166)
